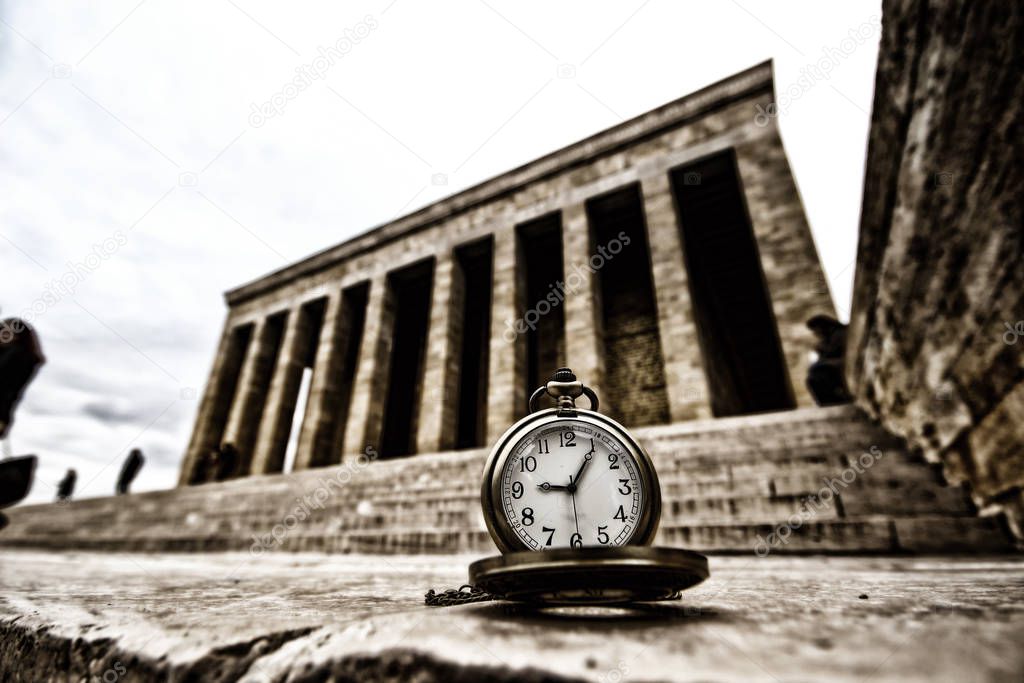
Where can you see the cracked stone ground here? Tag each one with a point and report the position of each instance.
(284, 617)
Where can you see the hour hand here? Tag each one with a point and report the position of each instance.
(552, 487)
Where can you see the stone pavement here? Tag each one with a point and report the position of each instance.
(311, 617)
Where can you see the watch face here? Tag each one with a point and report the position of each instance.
(569, 483)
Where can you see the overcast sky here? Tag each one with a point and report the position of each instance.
(136, 184)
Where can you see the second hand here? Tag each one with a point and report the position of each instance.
(575, 518)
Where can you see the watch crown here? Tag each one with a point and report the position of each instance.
(563, 375)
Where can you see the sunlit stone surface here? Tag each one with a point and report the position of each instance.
(303, 617)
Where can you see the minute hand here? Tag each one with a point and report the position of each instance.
(575, 481)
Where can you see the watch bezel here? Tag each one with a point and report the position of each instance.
(502, 533)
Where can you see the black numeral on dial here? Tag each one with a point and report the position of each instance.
(517, 489)
(550, 533)
(620, 515)
(567, 439)
(528, 516)
(576, 541)
(625, 489)
(528, 464)
(614, 461)
(602, 535)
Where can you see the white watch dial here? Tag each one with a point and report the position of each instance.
(571, 484)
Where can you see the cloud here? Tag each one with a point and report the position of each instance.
(105, 412)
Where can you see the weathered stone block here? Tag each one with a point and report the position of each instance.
(939, 289)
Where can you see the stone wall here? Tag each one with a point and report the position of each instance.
(936, 345)
(634, 371)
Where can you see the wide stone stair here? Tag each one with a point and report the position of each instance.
(811, 480)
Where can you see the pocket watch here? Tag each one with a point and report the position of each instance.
(573, 502)
(569, 477)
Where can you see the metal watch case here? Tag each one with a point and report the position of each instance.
(501, 531)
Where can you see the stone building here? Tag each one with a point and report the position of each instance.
(667, 260)
(423, 338)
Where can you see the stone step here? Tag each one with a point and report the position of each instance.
(414, 476)
(720, 479)
(880, 534)
(764, 481)
(926, 534)
(918, 535)
(458, 511)
(687, 450)
(860, 497)
(667, 456)
(912, 485)
(433, 483)
(737, 441)
(805, 425)
(691, 478)
(725, 498)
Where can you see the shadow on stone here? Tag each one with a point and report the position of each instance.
(640, 614)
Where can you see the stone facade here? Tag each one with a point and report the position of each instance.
(937, 330)
(627, 324)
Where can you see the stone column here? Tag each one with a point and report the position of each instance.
(216, 402)
(251, 396)
(439, 398)
(320, 423)
(276, 424)
(366, 413)
(584, 340)
(506, 390)
(796, 283)
(685, 380)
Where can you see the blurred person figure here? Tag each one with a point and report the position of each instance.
(66, 487)
(826, 379)
(132, 464)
